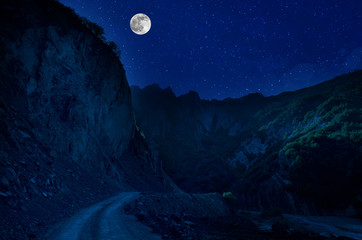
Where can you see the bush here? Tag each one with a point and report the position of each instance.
(114, 48)
(95, 28)
(228, 196)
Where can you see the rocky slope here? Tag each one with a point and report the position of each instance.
(69, 138)
(298, 151)
(67, 130)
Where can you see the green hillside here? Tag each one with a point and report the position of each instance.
(304, 145)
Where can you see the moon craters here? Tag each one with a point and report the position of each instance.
(140, 24)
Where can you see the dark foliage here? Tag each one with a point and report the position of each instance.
(310, 138)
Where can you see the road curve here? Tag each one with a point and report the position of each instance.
(104, 220)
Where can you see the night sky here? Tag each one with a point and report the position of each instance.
(232, 48)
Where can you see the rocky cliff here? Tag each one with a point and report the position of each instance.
(66, 84)
(298, 151)
(67, 130)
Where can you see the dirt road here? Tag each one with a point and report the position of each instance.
(104, 220)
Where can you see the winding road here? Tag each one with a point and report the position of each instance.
(104, 220)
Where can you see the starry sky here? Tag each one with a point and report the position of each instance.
(230, 48)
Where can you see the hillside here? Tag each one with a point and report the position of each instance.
(82, 155)
(67, 130)
(299, 151)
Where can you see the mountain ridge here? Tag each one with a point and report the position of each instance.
(73, 134)
(256, 139)
(193, 92)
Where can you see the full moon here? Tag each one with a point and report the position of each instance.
(140, 23)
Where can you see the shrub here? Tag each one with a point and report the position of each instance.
(114, 48)
(228, 196)
(95, 28)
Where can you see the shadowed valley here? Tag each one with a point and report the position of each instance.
(84, 156)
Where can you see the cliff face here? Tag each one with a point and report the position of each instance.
(67, 85)
(67, 130)
(196, 139)
(298, 151)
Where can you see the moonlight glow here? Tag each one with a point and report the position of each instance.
(140, 24)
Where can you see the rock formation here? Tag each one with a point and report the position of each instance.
(67, 129)
(297, 151)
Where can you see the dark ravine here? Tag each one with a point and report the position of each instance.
(73, 137)
(298, 151)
